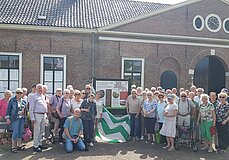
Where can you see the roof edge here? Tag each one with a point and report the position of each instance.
(153, 13)
(46, 28)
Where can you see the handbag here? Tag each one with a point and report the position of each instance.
(55, 114)
(27, 134)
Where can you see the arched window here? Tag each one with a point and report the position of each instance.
(168, 80)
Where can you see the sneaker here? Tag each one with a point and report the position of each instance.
(204, 147)
(61, 143)
(137, 139)
(142, 138)
(91, 144)
(210, 150)
(223, 151)
(37, 149)
(152, 142)
(43, 147)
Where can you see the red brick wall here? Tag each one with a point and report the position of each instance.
(32, 44)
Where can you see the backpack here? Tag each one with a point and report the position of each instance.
(64, 136)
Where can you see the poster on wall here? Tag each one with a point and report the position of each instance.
(114, 92)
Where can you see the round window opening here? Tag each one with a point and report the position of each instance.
(227, 25)
(198, 23)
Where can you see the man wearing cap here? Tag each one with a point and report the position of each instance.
(88, 113)
(185, 108)
(38, 109)
(133, 108)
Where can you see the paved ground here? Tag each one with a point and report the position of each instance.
(102, 151)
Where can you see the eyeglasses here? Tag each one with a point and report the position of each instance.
(18, 92)
(160, 97)
(222, 97)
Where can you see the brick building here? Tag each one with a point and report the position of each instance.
(60, 42)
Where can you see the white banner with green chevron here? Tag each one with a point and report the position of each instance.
(113, 129)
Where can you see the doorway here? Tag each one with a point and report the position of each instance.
(210, 74)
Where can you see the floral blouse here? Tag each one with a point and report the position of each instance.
(222, 112)
(206, 112)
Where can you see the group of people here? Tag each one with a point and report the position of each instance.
(205, 115)
(75, 115)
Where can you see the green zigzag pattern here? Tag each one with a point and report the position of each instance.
(107, 130)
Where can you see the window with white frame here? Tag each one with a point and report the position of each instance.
(10, 72)
(133, 70)
(53, 71)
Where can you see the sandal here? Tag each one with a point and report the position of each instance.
(166, 147)
(14, 150)
(21, 148)
(171, 149)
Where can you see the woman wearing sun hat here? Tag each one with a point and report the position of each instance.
(169, 125)
(15, 115)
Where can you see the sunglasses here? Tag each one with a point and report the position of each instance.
(222, 97)
(77, 94)
(149, 95)
(18, 92)
(184, 96)
(88, 88)
(83, 93)
(66, 93)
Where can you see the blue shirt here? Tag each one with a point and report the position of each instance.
(148, 106)
(76, 127)
(54, 100)
(91, 106)
(160, 111)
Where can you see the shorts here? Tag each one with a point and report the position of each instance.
(184, 120)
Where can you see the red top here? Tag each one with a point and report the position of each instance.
(3, 107)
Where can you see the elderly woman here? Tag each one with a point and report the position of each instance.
(3, 107)
(76, 102)
(169, 125)
(64, 109)
(142, 100)
(4, 103)
(160, 113)
(149, 110)
(207, 119)
(15, 115)
(222, 119)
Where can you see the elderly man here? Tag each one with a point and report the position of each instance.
(38, 109)
(73, 129)
(185, 106)
(133, 107)
(197, 97)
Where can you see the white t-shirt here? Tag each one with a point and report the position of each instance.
(76, 104)
(99, 108)
(170, 108)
